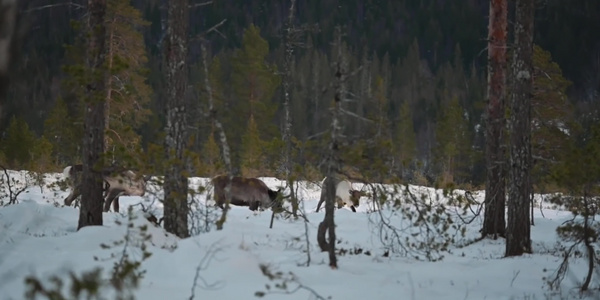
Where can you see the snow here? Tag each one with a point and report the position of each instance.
(38, 236)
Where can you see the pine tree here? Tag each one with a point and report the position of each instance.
(127, 93)
(518, 230)
(176, 180)
(494, 222)
(552, 115)
(90, 212)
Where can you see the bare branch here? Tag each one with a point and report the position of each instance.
(200, 4)
(78, 6)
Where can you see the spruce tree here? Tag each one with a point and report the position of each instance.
(405, 142)
(254, 83)
(453, 143)
(60, 130)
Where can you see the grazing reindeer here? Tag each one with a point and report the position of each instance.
(251, 192)
(124, 183)
(345, 195)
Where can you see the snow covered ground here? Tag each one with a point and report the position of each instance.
(38, 237)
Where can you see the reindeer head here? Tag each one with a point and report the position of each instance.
(355, 196)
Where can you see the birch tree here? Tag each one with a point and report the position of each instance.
(518, 231)
(289, 36)
(90, 212)
(176, 180)
(494, 223)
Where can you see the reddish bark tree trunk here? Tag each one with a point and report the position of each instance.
(518, 235)
(90, 212)
(494, 223)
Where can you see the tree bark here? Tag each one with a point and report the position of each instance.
(176, 181)
(493, 222)
(287, 129)
(92, 199)
(8, 18)
(332, 162)
(518, 235)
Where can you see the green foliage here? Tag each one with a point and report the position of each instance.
(18, 144)
(552, 115)
(253, 160)
(211, 156)
(405, 142)
(453, 143)
(580, 173)
(254, 82)
(428, 226)
(63, 134)
(128, 93)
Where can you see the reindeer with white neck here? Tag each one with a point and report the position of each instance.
(123, 183)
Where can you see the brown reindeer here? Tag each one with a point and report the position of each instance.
(251, 192)
(124, 183)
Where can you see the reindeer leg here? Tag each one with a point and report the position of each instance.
(109, 199)
(353, 209)
(116, 205)
(72, 196)
(254, 205)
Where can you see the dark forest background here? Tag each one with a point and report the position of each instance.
(418, 90)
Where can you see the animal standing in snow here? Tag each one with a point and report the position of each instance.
(251, 192)
(124, 183)
(344, 195)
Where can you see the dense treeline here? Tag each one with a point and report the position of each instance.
(418, 85)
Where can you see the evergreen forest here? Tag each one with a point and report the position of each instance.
(417, 79)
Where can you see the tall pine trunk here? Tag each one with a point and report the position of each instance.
(176, 181)
(518, 235)
(90, 212)
(494, 223)
(8, 19)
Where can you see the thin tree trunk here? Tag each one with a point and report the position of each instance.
(90, 212)
(8, 18)
(110, 58)
(588, 246)
(518, 235)
(176, 181)
(332, 159)
(287, 129)
(493, 222)
(222, 139)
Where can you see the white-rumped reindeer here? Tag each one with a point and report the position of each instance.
(116, 184)
(344, 195)
(251, 192)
